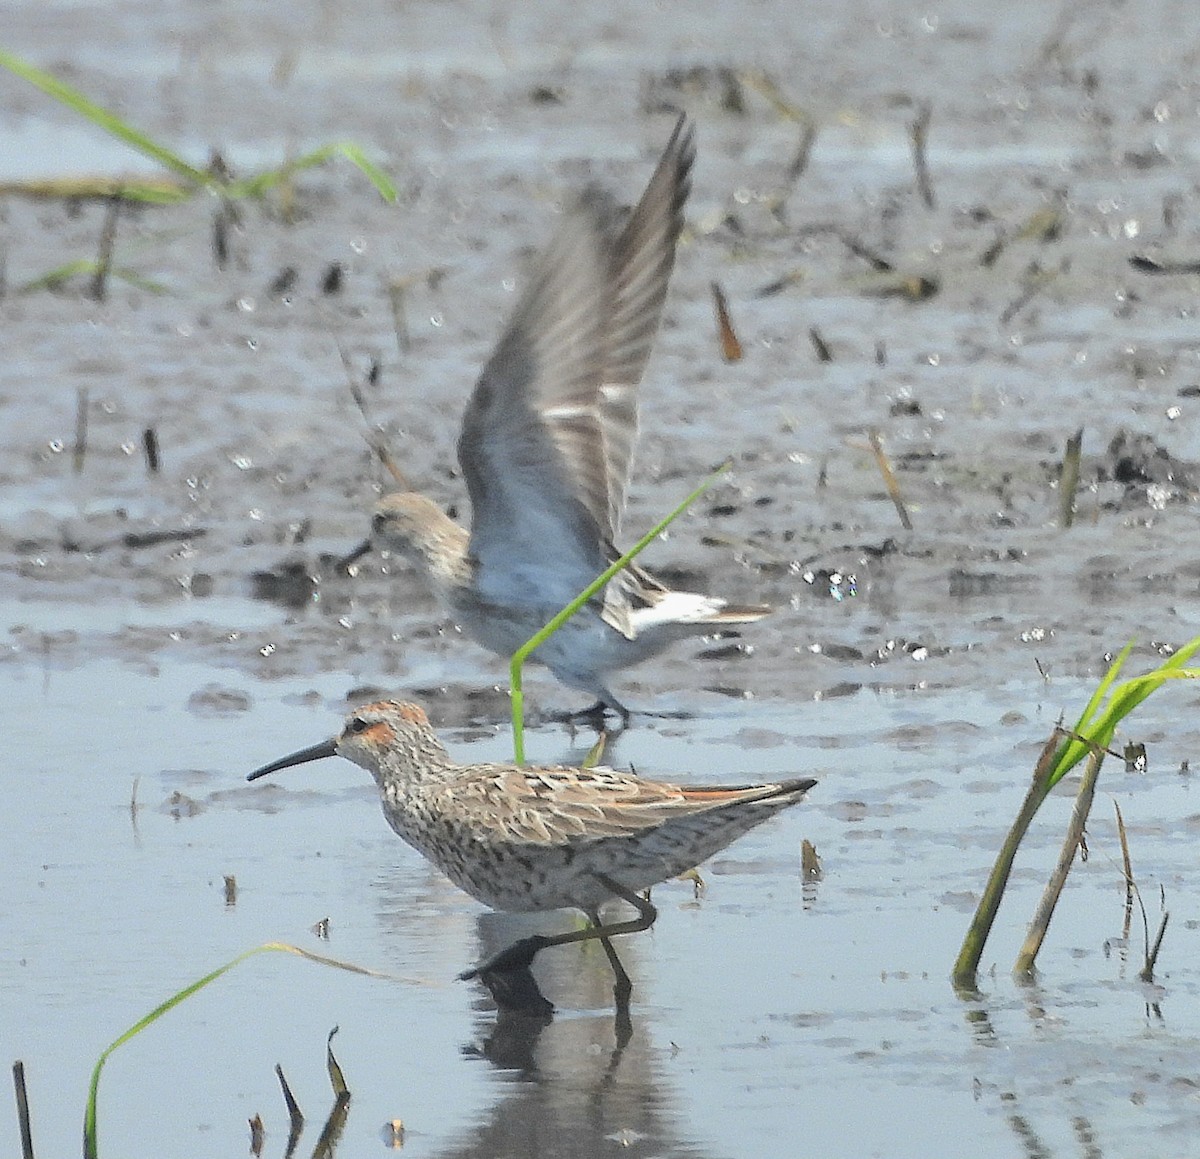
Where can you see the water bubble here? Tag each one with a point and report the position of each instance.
(128, 448)
(358, 245)
(56, 446)
(247, 305)
(436, 320)
(266, 650)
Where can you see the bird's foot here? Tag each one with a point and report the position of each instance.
(518, 956)
(594, 716)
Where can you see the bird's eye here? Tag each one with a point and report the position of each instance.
(357, 724)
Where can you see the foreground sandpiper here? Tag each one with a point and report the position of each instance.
(525, 838)
(545, 449)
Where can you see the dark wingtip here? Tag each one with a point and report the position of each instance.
(327, 748)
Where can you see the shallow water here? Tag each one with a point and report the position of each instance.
(165, 634)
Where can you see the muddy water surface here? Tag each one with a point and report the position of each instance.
(163, 634)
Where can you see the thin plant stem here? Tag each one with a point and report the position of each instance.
(967, 963)
(542, 635)
(1058, 879)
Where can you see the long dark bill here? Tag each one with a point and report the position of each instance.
(327, 748)
(347, 561)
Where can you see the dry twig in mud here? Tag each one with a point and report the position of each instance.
(1148, 265)
(808, 138)
(371, 434)
(889, 479)
(295, 1115)
(336, 1122)
(824, 354)
(396, 294)
(104, 251)
(918, 133)
(1036, 280)
(81, 429)
(1127, 868)
(1146, 973)
(1068, 479)
(23, 1120)
(731, 347)
(150, 446)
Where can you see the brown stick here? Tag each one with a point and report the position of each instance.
(294, 1112)
(731, 348)
(1068, 479)
(1127, 863)
(889, 479)
(1147, 974)
(150, 446)
(108, 235)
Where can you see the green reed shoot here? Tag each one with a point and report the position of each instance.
(90, 1141)
(189, 179)
(1091, 736)
(543, 634)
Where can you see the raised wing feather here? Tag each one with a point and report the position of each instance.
(642, 263)
(531, 447)
(548, 434)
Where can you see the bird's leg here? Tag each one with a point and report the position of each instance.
(520, 954)
(622, 989)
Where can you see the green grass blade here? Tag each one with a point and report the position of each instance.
(103, 118)
(261, 183)
(1073, 751)
(1122, 700)
(372, 172)
(55, 277)
(540, 637)
(90, 1142)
